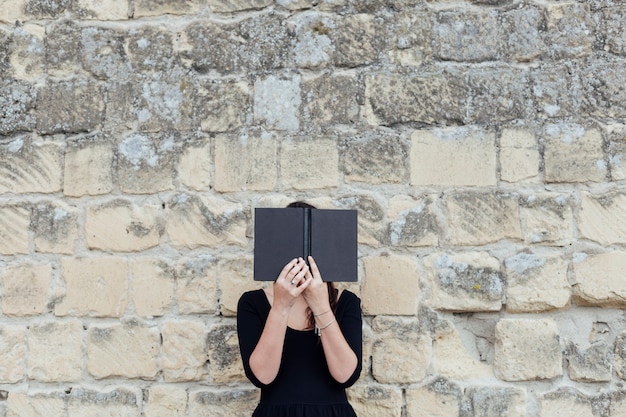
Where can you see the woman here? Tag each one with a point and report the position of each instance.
(301, 343)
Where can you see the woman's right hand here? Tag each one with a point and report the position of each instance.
(290, 283)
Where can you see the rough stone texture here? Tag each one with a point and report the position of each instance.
(184, 351)
(375, 400)
(441, 398)
(331, 99)
(359, 165)
(166, 401)
(232, 403)
(153, 287)
(600, 279)
(496, 402)
(55, 227)
(196, 285)
(145, 8)
(527, 349)
(452, 359)
(590, 365)
(414, 222)
(234, 280)
(26, 289)
(519, 156)
(320, 168)
(12, 353)
(14, 221)
(122, 401)
(620, 354)
(601, 217)
(565, 402)
(88, 167)
(24, 405)
(381, 276)
(194, 168)
(245, 163)
(547, 219)
(55, 351)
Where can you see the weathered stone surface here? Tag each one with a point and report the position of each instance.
(602, 87)
(55, 351)
(617, 404)
(440, 398)
(527, 349)
(43, 9)
(235, 279)
(519, 156)
(246, 163)
(95, 287)
(552, 87)
(18, 101)
(102, 9)
(29, 165)
(547, 219)
(103, 50)
(229, 6)
(31, 405)
(153, 285)
(224, 357)
(309, 163)
(12, 10)
(522, 28)
(614, 30)
(565, 401)
(63, 48)
(122, 226)
(166, 401)
(184, 351)
(150, 48)
(356, 39)
(453, 157)
(12, 353)
(497, 402)
(573, 154)
(401, 352)
(277, 102)
(410, 37)
(414, 222)
(429, 98)
(593, 364)
(145, 8)
(602, 218)
(88, 167)
(569, 30)
(223, 106)
(194, 164)
(25, 289)
(233, 403)
(70, 107)
(115, 402)
(14, 222)
(536, 283)
(370, 218)
(126, 350)
(194, 221)
(454, 30)
(196, 285)
(481, 218)
(617, 150)
(498, 94)
(600, 279)
(331, 99)
(55, 228)
(469, 281)
(620, 355)
(375, 400)
(378, 158)
(383, 276)
(28, 53)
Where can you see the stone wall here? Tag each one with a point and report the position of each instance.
(483, 143)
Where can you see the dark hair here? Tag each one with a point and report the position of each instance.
(332, 291)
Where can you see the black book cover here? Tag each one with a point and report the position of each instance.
(282, 234)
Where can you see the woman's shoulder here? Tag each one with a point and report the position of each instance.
(256, 297)
(347, 297)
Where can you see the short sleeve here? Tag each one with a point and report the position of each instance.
(350, 320)
(250, 323)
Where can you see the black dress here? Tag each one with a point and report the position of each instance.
(302, 388)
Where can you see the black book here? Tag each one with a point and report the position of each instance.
(282, 234)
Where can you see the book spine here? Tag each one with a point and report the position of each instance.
(307, 234)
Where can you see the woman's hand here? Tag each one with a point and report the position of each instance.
(291, 282)
(316, 294)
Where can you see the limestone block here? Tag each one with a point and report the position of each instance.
(371, 218)
(600, 280)
(440, 398)
(296, 4)
(223, 106)
(482, 30)
(166, 401)
(32, 405)
(223, 403)
(498, 401)
(593, 364)
(410, 32)
(375, 400)
(482, 218)
(104, 55)
(519, 156)
(331, 99)
(453, 360)
(235, 278)
(116, 402)
(122, 226)
(194, 221)
(196, 285)
(245, 163)
(523, 25)
(402, 351)
(28, 165)
(573, 154)
(103, 9)
(88, 167)
(147, 163)
(551, 91)
(184, 351)
(153, 286)
(146, 8)
(313, 41)
(536, 283)
(229, 6)
(414, 221)
(194, 165)
(42, 9)
(6, 39)
(28, 58)
(602, 218)
(63, 49)
(498, 94)
(96, 287)
(357, 39)
(617, 150)
(620, 355)
(379, 158)
(569, 30)
(125, 350)
(12, 353)
(309, 163)
(391, 285)
(429, 98)
(277, 102)
(25, 289)
(565, 402)
(150, 48)
(55, 228)
(547, 219)
(618, 404)
(72, 106)
(224, 357)
(18, 101)
(527, 349)
(55, 351)
(470, 281)
(12, 10)
(453, 157)
(14, 223)
(614, 30)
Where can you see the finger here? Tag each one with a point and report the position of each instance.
(287, 268)
(300, 275)
(314, 269)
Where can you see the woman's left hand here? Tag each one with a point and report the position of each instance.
(316, 294)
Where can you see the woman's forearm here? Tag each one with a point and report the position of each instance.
(340, 358)
(266, 357)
